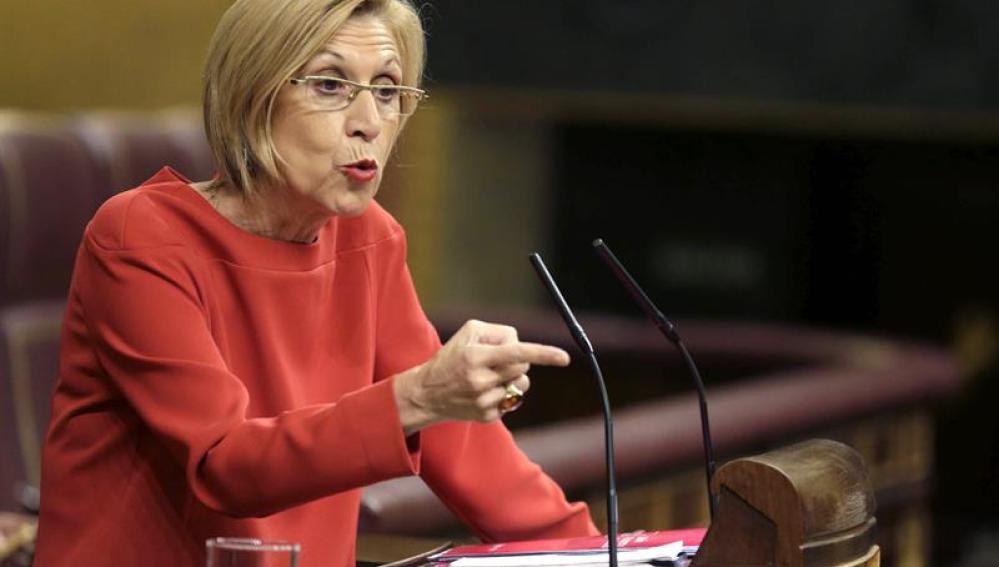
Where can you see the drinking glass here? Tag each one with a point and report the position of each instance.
(247, 552)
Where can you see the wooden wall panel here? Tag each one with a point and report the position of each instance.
(67, 55)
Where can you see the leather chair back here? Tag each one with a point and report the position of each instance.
(54, 174)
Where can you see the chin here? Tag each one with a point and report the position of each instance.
(352, 207)
(348, 200)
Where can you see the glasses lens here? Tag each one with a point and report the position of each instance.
(388, 98)
(408, 101)
(330, 93)
(394, 101)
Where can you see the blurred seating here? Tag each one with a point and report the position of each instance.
(663, 435)
(129, 147)
(54, 173)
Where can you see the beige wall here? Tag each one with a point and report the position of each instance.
(72, 54)
(473, 194)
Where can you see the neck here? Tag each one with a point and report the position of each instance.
(272, 213)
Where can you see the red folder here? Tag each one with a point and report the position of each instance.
(633, 540)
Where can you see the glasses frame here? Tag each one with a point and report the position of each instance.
(356, 88)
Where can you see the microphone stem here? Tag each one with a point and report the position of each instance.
(667, 328)
(612, 512)
(709, 456)
(584, 344)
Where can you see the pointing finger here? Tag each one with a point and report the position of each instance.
(521, 353)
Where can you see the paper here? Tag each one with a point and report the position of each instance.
(584, 545)
(624, 557)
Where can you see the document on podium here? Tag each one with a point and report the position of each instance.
(627, 557)
(636, 548)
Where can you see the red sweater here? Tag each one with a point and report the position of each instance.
(216, 383)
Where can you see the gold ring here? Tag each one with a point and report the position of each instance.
(513, 399)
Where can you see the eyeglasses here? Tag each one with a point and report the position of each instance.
(334, 93)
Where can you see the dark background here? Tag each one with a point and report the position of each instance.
(885, 229)
(930, 53)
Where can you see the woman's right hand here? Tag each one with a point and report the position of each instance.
(466, 379)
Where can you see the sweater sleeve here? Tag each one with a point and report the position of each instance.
(151, 334)
(476, 469)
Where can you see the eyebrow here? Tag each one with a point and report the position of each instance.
(392, 59)
(329, 52)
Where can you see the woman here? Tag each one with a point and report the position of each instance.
(241, 356)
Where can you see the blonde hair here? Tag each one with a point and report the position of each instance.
(258, 46)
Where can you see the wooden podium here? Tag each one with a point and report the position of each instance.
(807, 505)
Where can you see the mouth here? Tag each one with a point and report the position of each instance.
(363, 170)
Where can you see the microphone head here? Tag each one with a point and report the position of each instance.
(578, 334)
(637, 293)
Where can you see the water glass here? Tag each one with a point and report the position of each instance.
(247, 552)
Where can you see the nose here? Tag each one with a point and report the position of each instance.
(363, 120)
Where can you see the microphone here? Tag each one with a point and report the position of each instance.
(579, 336)
(667, 328)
